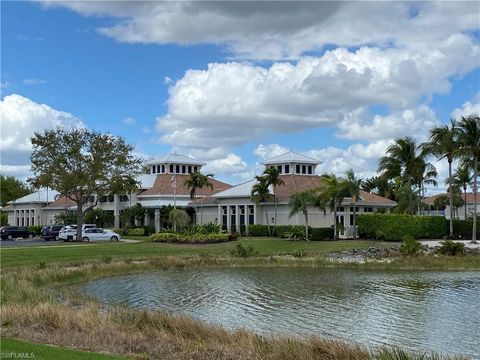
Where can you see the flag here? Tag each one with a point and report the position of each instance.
(174, 181)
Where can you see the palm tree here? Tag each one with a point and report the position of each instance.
(299, 202)
(380, 185)
(272, 176)
(353, 186)
(197, 181)
(444, 145)
(260, 193)
(461, 179)
(331, 192)
(424, 173)
(469, 139)
(401, 161)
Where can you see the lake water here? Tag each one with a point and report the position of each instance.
(429, 311)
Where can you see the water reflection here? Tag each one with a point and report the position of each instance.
(416, 310)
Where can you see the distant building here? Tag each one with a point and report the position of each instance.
(459, 213)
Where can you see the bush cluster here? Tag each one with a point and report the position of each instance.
(203, 229)
(393, 227)
(462, 229)
(136, 232)
(36, 229)
(284, 231)
(243, 251)
(323, 233)
(257, 230)
(191, 239)
(410, 246)
(449, 247)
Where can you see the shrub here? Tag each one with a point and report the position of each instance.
(243, 230)
(283, 231)
(243, 251)
(323, 233)
(203, 229)
(462, 229)
(136, 232)
(297, 233)
(299, 253)
(107, 259)
(449, 247)
(393, 227)
(191, 239)
(120, 231)
(257, 230)
(410, 246)
(36, 229)
(149, 230)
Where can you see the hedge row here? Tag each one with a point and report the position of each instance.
(394, 227)
(317, 234)
(463, 229)
(36, 229)
(191, 239)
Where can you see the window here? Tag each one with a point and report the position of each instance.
(195, 169)
(158, 169)
(233, 217)
(171, 169)
(189, 169)
(298, 169)
(154, 169)
(279, 168)
(287, 169)
(177, 169)
(310, 169)
(304, 169)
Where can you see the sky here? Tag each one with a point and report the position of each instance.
(232, 83)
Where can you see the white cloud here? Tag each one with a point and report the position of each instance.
(231, 166)
(21, 118)
(4, 84)
(34, 81)
(269, 151)
(280, 29)
(468, 108)
(129, 120)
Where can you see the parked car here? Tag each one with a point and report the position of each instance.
(69, 232)
(51, 232)
(99, 234)
(14, 232)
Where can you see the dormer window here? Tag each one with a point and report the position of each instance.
(153, 169)
(279, 168)
(309, 169)
(195, 169)
(297, 170)
(184, 169)
(287, 169)
(163, 169)
(171, 169)
(189, 169)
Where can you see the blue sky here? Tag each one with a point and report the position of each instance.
(281, 77)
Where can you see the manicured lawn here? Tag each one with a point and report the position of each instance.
(44, 352)
(74, 252)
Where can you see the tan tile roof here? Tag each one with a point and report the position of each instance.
(62, 202)
(298, 183)
(431, 200)
(163, 186)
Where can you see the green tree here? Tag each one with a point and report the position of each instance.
(11, 188)
(272, 175)
(80, 163)
(299, 203)
(381, 186)
(461, 179)
(179, 217)
(66, 218)
(331, 192)
(99, 217)
(469, 141)
(353, 186)
(260, 194)
(443, 144)
(197, 181)
(3, 218)
(402, 160)
(133, 214)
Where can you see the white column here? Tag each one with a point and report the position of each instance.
(255, 220)
(229, 225)
(237, 218)
(116, 211)
(219, 217)
(157, 220)
(147, 218)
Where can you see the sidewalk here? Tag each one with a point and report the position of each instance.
(433, 243)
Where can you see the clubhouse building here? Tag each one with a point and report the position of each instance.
(227, 205)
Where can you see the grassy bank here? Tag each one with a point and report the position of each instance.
(38, 305)
(38, 351)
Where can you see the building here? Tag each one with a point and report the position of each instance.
(234, 206)
(460, 212)
(224, 204)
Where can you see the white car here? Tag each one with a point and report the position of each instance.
(99, 234)
(69, 232)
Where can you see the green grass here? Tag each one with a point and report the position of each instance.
(78, 252)
(45, 352)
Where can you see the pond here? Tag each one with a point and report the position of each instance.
(429, 311)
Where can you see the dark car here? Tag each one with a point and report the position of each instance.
(50, 232)
(13, 232)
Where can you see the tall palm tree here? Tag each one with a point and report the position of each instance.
(469, 139)
(424, 174)
(353, 186)
(272, 176)
(260, 193)
(197, 181)
(380, 185)
(443, 144)
(461, 179)
(331, 192)
(299, 202)
(401, 161)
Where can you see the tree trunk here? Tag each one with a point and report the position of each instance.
(268, 222)
(465, 202)
(450, 195)
(475, 175)
(305, 213)
(410, 200)
(79, 221)
(275, 221)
